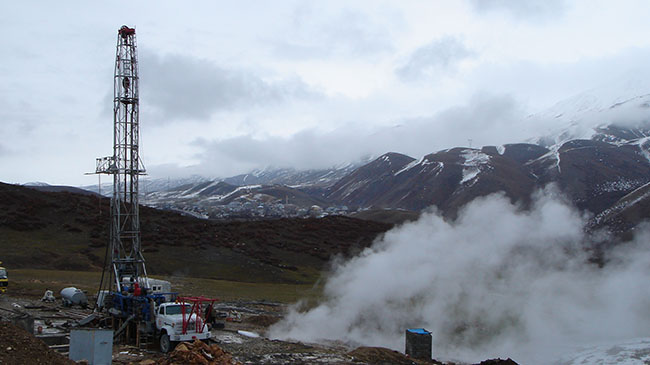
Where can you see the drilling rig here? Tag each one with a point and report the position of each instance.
(138, 306)
(127, 262)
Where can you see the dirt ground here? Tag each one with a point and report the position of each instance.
(20, 347)
(240, 341)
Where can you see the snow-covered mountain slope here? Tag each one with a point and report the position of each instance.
(446, 179)
(631, 352)
(599, 155)
(285, 191)
(293, 177)
(593, 174)
(589, 116)
(370, 181)
(149, 185)
(36, 183)
(627, 212)
(152, 185)
(217, 190)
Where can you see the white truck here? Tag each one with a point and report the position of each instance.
(176, 322)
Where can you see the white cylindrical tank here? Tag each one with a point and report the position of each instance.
(72, 296)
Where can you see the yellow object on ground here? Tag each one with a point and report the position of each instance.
(4, 280)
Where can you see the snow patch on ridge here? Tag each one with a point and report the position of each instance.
(423, 162)
(247, 187)
(644, 146)
(409, 166)
(623, 205)
(552, 154)
(619, 185)
(472, 165)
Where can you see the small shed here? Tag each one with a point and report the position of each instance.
(418, 343)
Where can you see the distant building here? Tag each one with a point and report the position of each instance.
(315, 211)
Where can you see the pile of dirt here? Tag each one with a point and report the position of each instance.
(262, 320)
(17, 346)
(198, 353)
(382, 355)
(507, 361)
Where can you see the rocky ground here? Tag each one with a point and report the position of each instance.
(241, 341)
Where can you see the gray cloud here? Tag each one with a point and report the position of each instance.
(486, 119)
(20, 116)
(349, 32)
(613, 78)
(184, 87)
(434, 59)
(522, 9)
(304, 150)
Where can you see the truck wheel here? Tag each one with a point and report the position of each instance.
(165, 343)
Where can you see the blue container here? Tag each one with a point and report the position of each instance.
(92, 344)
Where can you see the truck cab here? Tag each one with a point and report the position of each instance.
(176, 322)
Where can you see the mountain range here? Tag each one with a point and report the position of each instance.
(599, 160)
(603, 170)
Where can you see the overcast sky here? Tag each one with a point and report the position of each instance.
(231, 86)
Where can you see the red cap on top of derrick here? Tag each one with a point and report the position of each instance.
(124, 31)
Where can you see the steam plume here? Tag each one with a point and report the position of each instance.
(498, 281)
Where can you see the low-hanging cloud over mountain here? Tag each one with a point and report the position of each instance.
(484, 120)
(497, 282)
(183, 87)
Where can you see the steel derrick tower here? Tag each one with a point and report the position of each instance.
(127, 262)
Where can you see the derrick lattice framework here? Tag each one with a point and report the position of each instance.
(127, 262)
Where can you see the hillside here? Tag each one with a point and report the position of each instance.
(626, 213)
(593, 173)
(447, 179)
(67, 231)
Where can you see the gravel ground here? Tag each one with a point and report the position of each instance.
(260, 350)
(243, 339)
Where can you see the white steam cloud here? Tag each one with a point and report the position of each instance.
(497, 282)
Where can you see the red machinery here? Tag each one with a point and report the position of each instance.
(196, 309)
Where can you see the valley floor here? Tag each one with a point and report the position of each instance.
(244, 338)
